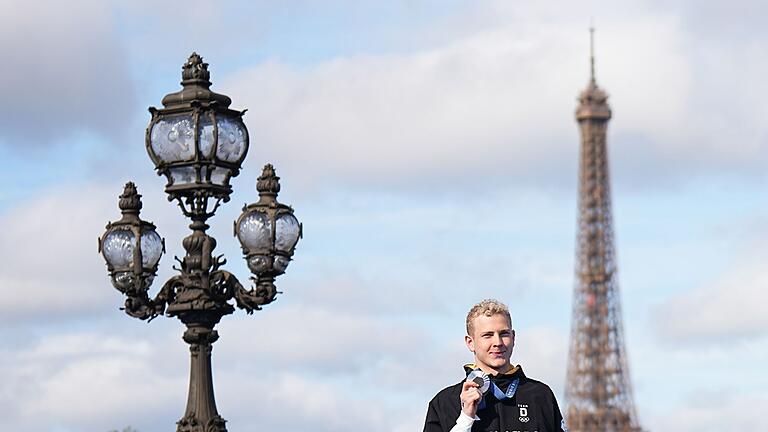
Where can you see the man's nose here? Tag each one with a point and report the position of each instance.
(497, 339)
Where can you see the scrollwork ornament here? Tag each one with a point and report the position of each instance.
(216, 424)
(268, 183)
(223, 285)
(263, 293)
(195, 68)
(190, 423)
(140, 307)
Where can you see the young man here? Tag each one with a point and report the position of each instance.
(511, 401)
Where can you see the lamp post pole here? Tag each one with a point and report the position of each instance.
(199, 144)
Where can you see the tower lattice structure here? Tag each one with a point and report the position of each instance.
(598, 388)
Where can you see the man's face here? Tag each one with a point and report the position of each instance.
(492, 341)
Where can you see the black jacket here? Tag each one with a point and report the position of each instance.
(533, 408)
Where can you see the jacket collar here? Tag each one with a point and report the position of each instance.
(515, 370)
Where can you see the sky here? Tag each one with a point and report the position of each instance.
(430, 150)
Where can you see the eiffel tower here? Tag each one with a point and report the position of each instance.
(598, 388)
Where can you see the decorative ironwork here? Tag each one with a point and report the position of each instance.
(598, 388)
(197, 142)
(268, 232)
(132, 250)
(195, 69)
(199, 296)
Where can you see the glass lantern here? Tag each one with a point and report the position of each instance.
(131, 247)
(267, 230)
(196, 141)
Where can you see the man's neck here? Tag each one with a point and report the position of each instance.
(491, 371)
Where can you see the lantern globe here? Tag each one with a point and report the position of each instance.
(131, 247)
(196, 141)
(267, 230)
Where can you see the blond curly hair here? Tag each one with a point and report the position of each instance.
(487, 307)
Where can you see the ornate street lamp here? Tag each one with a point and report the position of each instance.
(268, 232)
(199, 144)
(132, 250)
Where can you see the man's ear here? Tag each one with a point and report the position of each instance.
(513, 338)
(470, 343)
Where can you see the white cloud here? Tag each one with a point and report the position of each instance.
(328, 371)
(64, 65)
(542, 351)
(497, 102)
(85, 381)
(318, 338)
(450, 111)
(729, 309)
(295, 402)
(46, 246)
(49, 246)
(712, 409)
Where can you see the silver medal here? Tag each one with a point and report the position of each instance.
(481, 379)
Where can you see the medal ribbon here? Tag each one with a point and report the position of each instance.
(500, 394)
(510, 390)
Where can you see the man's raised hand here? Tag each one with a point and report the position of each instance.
(470, 398)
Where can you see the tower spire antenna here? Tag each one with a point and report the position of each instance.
(592, 51)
